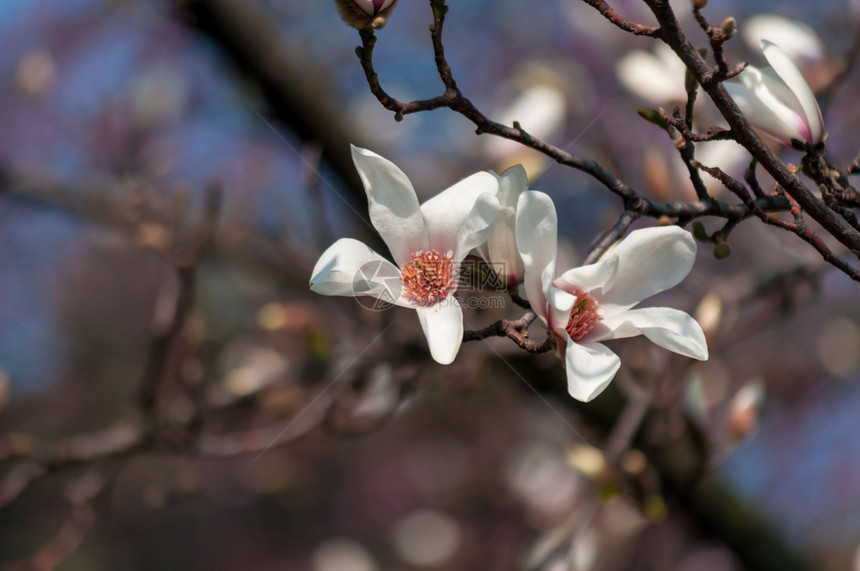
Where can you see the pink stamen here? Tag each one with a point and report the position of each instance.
(429, 277)
(583, 315)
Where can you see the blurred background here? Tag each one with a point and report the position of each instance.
(172, 396)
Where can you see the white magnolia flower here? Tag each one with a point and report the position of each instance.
(798, 40)
(427, 242)
(586, 306)
(500, 250)
(656, 77)
(541, 108)
(777, 100)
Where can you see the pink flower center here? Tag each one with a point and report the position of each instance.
(428, 277)
(583, 315)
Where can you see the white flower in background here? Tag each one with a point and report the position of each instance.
(655, 77)
(798, 41)
(427, 242)
(777, 100)
(586, 306)
(539, 103)
(500, 250)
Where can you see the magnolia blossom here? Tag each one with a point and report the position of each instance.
(373, 7)
(427, 242)
(798, 40)
(541, 108)
(500, 250)
(777, 100)
(586, 306)
(365, 14)
(657, 77)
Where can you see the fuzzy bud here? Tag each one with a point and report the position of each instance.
(365, 14)
(699, 4)
(729, 27)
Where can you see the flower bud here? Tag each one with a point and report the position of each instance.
(699, 232)
(365, 14)
(745, 409)
(777, 100)
(653, 116)
(722, 251)
(690, 81)
(729, 27)
(699, 4)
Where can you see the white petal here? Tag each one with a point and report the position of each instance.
(588, 278)
(648, 261)
(769, 88)
(792, 77)
(349, 268)
(669, 328)
(394, 209)
(477, 226)
(559, 303)
(763, 117)
(774, 85)
(501, 247)
(512, 183)
(445, 213)
(590, 369)
(443, 326)
(652, 77)
(537, 240)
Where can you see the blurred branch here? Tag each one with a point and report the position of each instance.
(718, 513)
(623, 432)
(292, 89)
(163, 360)
(42, 459)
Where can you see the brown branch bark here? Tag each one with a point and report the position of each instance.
(674, 37)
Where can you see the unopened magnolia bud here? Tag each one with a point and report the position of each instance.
(653, 116)
(690, 81)
(699, 232)
(699, 4)
(722, 251)
(745, 409)
(365, 14)
(729, 27)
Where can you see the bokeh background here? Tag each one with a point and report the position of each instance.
(127, 123)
